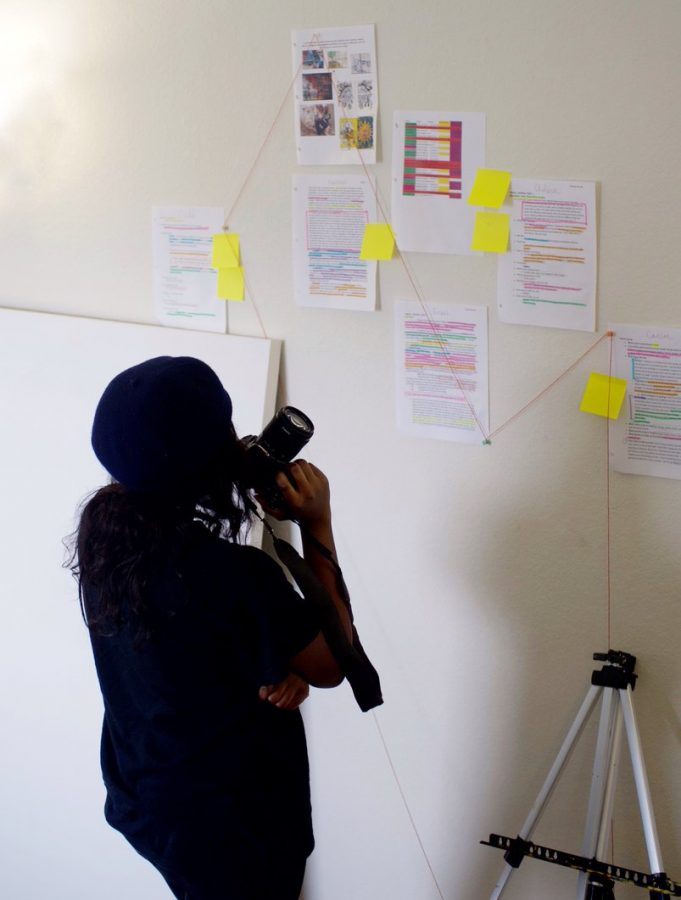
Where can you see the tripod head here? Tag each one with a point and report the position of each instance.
(618, 671)
(625, 661)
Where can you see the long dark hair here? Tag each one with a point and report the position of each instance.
(122, 535)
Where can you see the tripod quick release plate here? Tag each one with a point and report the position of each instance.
(617, 673)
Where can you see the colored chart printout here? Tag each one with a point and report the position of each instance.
(330, 213)
(435, 159)
(549, 276)
(432, 159)
(646, 439)
(185, 284)
(336, 95)
(442, 371)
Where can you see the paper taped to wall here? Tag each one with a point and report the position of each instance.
(184, 279)
(646, 439)
(336, 95)
(549, 276)
(435, 159)
(330, 213)
(442, 371)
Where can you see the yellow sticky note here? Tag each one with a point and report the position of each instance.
(378, 242)
(603, 396)
(225, 251)
(231, 283)
(489, 188)
(491, 232)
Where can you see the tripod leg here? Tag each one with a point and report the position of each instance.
(641, 779)
(602, 784)
(551, 779)
(609, 800)
(600, 888)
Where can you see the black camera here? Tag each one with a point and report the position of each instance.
(279, 442)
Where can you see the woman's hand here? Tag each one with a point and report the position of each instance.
(306, 494)
(288, 694)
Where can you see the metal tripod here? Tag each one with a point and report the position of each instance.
(614, 683)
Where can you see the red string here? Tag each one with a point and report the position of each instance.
(433, 328)
(607, 492)
(229, 215)
(417, 293)
(255, 305)
(406, 805)
(548, 388)
(262, 147)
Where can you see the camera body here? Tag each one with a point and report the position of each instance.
(279, 442)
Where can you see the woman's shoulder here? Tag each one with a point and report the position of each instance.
(226, 553)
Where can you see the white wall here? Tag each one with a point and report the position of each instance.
(478, 574)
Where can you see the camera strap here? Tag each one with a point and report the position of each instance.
(349, 655)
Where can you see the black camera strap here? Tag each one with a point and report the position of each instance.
(349, 655)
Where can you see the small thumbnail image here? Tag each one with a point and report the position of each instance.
(313, 59)
(365, 93)
(361, 63)
(348, 134)
(318, 86)
(336, 59)
(365, 132)
(344, 94)
(317, 120)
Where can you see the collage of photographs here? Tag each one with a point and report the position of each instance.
(337, 90)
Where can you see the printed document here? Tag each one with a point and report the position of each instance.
(185, 284)
(646, 438)
(436, 156)
(442, 371)
(330, 213)
(549, 276)
(336, 95)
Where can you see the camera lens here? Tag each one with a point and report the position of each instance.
(286, 435)
(295, 418)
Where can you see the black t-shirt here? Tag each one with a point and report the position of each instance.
(194, 762)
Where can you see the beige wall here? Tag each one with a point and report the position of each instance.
(478, 574)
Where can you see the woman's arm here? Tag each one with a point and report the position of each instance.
(306, 493)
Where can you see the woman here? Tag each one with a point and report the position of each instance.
(203, 650)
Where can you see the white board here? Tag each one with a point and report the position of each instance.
(53, 370)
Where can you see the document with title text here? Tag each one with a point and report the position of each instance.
(329, 216)
(646, 438)
(442, 371)
(185, 285)
(548, 277)
(336, 95)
